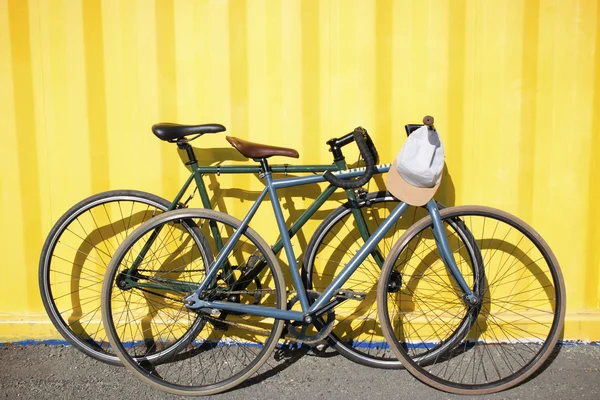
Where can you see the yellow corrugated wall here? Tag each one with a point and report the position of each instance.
(514, 87)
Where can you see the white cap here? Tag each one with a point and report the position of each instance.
(417, 171)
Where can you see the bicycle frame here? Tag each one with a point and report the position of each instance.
(323, 302)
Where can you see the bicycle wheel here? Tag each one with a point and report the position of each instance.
(357, 334)
(74, 259)
(519, 317)
(207, 351)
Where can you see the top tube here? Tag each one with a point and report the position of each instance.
(255, 169)
(285, 168)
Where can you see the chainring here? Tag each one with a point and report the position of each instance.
(297, 329)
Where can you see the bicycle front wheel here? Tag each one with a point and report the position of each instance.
(206, 351)
(515, 325)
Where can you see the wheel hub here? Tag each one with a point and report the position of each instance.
(125, 281)
(395, 282)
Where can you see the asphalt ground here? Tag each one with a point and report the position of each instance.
(61, 372)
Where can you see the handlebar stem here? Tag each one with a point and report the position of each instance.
(335, 146)
(190, 152)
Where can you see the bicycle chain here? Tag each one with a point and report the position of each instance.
(245, 327)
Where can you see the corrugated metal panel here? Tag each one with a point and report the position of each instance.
(514, 87)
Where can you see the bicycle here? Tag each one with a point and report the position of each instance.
(79, 246)
(209, 330)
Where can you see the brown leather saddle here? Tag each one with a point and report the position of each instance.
(256, 150)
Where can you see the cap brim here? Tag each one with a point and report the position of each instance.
(402, 190)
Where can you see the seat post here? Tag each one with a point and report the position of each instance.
(263, 164)
(184, 145)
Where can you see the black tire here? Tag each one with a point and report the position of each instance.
(220, 350)
(338, 239)
(74, 259)
(519, 317)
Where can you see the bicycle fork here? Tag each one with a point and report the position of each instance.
(442, 244)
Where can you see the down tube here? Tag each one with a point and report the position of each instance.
(360, 256)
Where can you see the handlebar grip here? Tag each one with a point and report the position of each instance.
(359, 138)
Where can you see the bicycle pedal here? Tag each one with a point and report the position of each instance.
(351, 295)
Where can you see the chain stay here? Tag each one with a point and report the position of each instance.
(218, 321)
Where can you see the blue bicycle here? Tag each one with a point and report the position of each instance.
(471, 299)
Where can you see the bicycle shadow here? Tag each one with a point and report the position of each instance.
(211, 156)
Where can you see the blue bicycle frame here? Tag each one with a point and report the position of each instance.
(322, 303)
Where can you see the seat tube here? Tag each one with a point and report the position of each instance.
(201, 187)
(283, 232)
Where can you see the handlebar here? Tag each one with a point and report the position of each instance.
(360, 137)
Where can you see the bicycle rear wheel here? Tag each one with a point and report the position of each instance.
(516, 324)
(356, 333)
(74, 259)
(206, 351)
